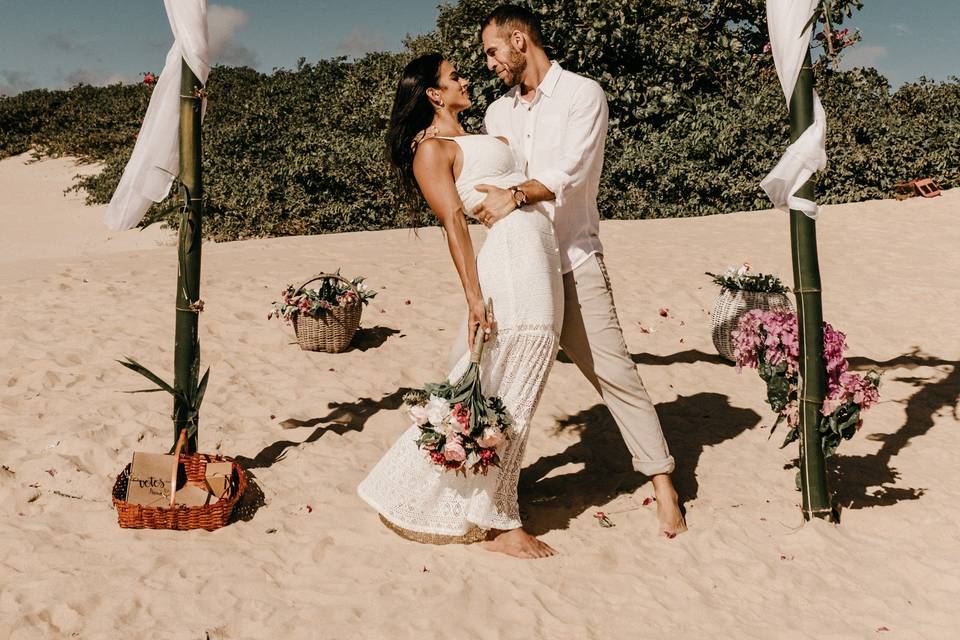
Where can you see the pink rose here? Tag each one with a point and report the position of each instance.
(453, 451)
(462, 415)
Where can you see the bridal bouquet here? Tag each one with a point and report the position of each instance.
(769, 341)
(460, 428)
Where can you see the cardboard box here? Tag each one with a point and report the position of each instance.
(192, 495)
(217, 477)
(149, 483)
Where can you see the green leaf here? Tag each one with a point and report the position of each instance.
(778, 392)
(792, 436)
(132, 364)
(201, 390)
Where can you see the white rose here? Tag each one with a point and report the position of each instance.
(419, 414)
(438, 410)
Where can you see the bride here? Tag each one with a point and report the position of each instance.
(519, 269)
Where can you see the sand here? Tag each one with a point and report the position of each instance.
(310, 560)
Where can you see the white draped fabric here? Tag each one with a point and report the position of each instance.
(807, 155)
(156, 154)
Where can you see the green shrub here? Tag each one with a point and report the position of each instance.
(697, 118)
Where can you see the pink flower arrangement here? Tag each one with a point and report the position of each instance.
(149, 79)
(769, 341)
(841, 39)
(331, 293)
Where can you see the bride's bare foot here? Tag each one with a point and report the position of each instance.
(669, 515)
(518, 543)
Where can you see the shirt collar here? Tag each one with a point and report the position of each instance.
(549, 82)
(546, 86)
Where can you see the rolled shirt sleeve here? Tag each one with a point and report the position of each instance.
(583, 138)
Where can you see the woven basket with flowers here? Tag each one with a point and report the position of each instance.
(740, 292)
(326, 316)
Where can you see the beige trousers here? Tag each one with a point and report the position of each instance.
(593, 340)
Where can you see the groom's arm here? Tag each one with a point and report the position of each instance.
(584, 133)
(500, 203)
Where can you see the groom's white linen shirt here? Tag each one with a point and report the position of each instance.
(559, 137)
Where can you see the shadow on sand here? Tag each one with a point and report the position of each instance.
(867, 481)
(601, 470)
(371, 338)
(551, 496)
(342, 418)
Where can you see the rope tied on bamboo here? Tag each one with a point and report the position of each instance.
(195, 307)
(199, 93)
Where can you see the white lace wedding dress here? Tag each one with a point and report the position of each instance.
(519, 268)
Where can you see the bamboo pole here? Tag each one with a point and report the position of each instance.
(187, 348)
(806, 277)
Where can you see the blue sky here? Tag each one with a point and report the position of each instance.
(57, 43)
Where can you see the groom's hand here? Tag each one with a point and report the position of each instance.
(498, 204)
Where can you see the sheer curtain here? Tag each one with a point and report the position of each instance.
(807, 155)
(156, 154)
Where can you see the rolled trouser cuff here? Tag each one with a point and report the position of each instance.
(654, 467)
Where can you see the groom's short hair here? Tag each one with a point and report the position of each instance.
(515, 18)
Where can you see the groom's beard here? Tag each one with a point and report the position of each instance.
(515, 66)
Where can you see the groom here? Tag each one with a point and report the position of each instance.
(557, 123)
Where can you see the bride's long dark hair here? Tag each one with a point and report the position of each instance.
(412, 113)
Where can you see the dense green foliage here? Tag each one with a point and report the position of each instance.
(697, 119)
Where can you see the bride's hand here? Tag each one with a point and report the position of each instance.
(477, 319)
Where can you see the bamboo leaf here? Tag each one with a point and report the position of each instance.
(133, 365)
(201, 389)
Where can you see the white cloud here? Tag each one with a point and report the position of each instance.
(862, 55)
(902, 29)
(13, 82)
(222, 24)
(361, 41)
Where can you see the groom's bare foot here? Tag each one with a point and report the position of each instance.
(669, 514)
(517, 543)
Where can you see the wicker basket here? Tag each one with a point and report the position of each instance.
(333, 330)
(730, 305)
(210, 517)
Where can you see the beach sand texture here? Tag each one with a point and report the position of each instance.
(310, 560)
